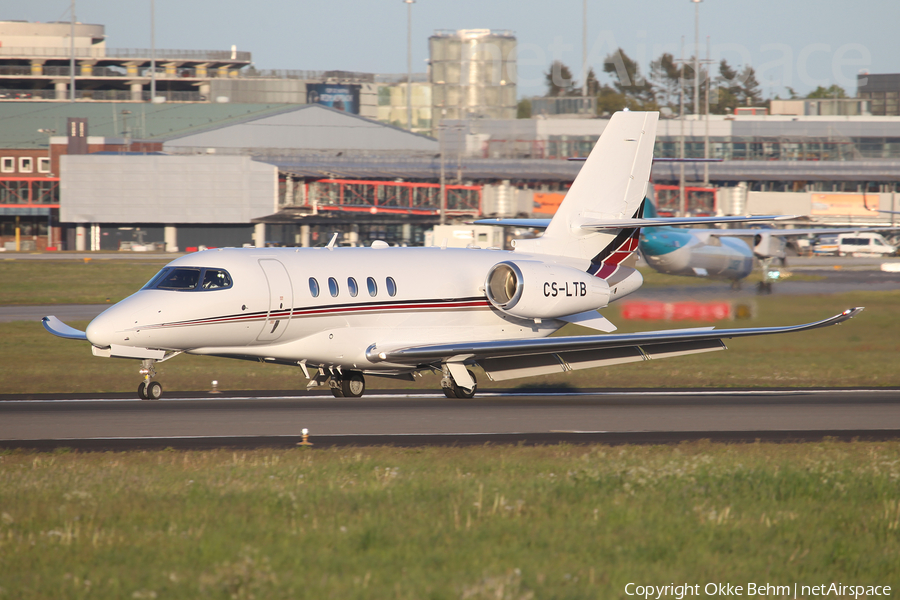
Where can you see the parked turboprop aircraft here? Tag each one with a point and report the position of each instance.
(342, 313)
(673, 249)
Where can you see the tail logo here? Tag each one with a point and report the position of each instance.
(621, 247)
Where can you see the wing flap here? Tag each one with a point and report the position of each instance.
(501, 369)
(481, 351)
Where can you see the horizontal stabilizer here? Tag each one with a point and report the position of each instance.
(536, 223)
(60, 329)
(589, 223)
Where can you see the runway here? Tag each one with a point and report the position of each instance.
(401, 418)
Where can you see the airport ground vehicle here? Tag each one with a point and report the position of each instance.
(863, 243)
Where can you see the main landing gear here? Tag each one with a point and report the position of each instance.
(350, 384)
(452, 390)
(149, 389)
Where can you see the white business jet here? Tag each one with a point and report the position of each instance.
(342, 313)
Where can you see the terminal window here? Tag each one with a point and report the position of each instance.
(43, 165)
(26, 164)
(8, 165)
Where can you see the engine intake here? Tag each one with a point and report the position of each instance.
(536, 290)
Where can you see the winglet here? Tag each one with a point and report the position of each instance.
(60, 329)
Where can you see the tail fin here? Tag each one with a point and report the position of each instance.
(611, 185)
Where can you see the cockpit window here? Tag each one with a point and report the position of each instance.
(186, 279)
(215, 279)
(156, 279)
(180, 279)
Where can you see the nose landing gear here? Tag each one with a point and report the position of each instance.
(149, 389)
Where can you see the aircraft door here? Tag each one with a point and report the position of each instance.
(281, 300)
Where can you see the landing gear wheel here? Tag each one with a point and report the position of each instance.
(459, 392)
(353, 385)
(154, 390)
(142, 391)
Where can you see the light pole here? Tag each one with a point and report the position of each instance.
(72, 54)
(153, 51)
(584, 67)
(696, 56)
(409, 4)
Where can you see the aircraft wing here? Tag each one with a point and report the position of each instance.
(786, 232)
(574, 352)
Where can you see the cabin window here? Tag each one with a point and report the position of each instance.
(352, 287)
(333, 287)
(373, 287)
(313, 287)
(391, 286)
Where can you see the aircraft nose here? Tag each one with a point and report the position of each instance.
(102, 330)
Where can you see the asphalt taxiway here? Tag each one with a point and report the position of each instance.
(402, 418)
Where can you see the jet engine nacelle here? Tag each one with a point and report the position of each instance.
(766, 245)
(536, 290)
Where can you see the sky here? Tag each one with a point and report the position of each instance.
(800, 44)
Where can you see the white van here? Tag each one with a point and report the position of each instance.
(862, 243)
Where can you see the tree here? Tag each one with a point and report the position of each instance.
(665, 77)
(559, 80)
(628, 79)
(735, 89)
(609, 101)
(523, 110)
(835, 91)
(750, 92)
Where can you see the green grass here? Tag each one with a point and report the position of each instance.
(654, 279)
(861, 352)
(485, 522)
(72, 281)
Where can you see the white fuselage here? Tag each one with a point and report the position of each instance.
(270, 311)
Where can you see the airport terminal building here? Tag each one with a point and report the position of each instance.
(186, 149)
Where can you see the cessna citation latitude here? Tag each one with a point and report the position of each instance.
(341, 314)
